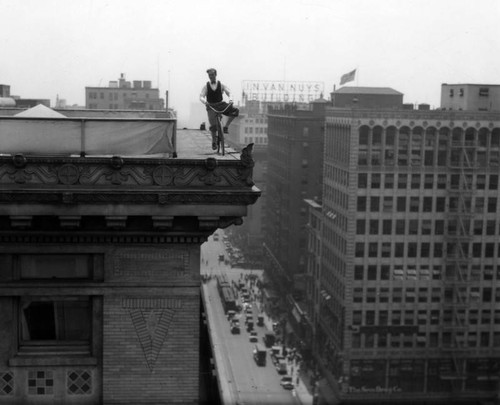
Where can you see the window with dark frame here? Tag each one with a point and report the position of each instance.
(50, 324)
(53, 322)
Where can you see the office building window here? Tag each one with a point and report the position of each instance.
(358, 273)
(51, 322)
(361, 205)
(413, 227)
(388, 204)
(414, 204)
(440, 204)
(401, 204)
(362, 180)
(427, 204)
(399, 249)
(374, 204)
(484, 92)
(360, 227)
(439, 227)
(415, 181)
(55, 323)
(402, 181)
(441, 181)
(493, 182)
(386, 249)
(358, 295)
(429, 181)
(412, 249)
(376, 179)
(387, 227)
(400, 227)
(373, 249)
(492, 204)
(389, 181)
(372, 272)
(360, 249)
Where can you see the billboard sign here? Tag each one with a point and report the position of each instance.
(281, 91)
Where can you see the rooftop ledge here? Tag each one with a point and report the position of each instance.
(197, 183)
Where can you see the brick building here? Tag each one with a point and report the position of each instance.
(124, 95)
(295, 152)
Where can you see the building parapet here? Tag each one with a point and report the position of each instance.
(413, 114)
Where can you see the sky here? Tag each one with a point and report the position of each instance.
(55, 48)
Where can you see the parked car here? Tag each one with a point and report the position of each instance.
(281, 367)
(288, 386)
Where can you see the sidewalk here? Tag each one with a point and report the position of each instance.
(301, 378)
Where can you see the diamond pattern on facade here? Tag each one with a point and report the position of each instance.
(79, 382)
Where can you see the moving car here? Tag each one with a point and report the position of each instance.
(288, 386)
(253, 336)
(286, 379)
(259, 354)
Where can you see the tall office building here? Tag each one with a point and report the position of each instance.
(295, 152)
(408, 302)
(124, 95)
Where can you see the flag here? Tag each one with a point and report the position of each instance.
(348, 77)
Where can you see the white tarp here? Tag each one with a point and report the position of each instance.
(124, 137)
(40, 111)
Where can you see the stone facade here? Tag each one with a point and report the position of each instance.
(99, 274)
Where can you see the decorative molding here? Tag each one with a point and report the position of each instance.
(21, 221)
(152, 318)
(116, 221)
(77, 172)
(79, 382)
(6, 383)
(70, 221)
(163, 265)
(72, 238)
(162, 223)
(151, 303)
(210, 223)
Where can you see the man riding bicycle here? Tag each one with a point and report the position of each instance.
(212, 95)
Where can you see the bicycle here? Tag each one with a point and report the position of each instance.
(220, 131)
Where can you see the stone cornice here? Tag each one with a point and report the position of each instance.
(50, 199)
(109, 180)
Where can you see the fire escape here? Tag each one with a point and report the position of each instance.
(458, 260)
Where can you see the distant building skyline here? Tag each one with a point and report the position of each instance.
(124, 95)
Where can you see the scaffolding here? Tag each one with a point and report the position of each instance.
(458, 299)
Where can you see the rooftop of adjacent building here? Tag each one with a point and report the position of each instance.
(366, 90)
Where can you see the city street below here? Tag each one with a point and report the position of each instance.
(242, 381)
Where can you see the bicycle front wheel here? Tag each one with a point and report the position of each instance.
(220, 138)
